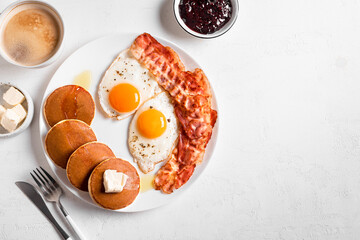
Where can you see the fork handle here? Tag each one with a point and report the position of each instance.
(75, 227)
(70, 221)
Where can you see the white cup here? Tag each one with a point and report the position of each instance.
(11, 11)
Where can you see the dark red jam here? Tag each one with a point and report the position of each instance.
(205, 16)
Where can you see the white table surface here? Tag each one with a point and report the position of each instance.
(287, 162)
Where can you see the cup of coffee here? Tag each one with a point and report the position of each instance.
(31, 34)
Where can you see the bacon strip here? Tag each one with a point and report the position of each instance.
(191, 94)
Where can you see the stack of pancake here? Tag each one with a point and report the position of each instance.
(71, 144)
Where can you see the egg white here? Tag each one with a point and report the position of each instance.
(126, 69)
(148, 152)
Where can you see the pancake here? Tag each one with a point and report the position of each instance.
(65, 137)
(69, 102)
(83, 161)
(114, 200)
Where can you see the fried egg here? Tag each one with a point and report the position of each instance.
(125, 86)
(153, 132)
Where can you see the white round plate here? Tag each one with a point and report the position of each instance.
(96, 57)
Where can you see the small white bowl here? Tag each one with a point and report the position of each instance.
(221, 31)
(27, 104)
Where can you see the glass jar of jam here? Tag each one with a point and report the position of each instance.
(205, 16)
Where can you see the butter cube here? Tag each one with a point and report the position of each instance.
(13, 96)
(10, 120)
(12, 117)
(114, 181)
(20, 111)
(2, 110)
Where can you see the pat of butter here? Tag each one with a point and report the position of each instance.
(114, 181)
(10, 120)
(20, 111)
(12, 117)
(2, 110)
(13, 96)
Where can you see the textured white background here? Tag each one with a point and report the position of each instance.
(287, 162)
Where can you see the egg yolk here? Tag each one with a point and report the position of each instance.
(124, 97)
(151, 123)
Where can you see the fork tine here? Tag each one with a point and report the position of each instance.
(42, 175)
(49, 176)
(42, 188)
(39, 178)
(37, 182)
(42, 181)
(49, 183)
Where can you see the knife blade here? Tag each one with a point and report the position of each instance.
(34, 196)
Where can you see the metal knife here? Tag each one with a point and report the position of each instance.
(33, 194)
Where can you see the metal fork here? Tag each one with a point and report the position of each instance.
(52, 193)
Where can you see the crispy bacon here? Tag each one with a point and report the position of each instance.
(191, 94)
